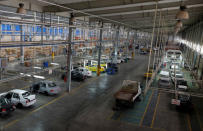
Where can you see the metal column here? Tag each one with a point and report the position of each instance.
(127, 45)
(116, 45)
(21, 47)
(99, 53)
(42, 31)
(69, 53)
(133, 46)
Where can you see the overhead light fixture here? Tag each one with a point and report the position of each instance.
(179, 24)
(54, 64)
(39, 77)
(35, 67)
(21, 9)
(182, 14)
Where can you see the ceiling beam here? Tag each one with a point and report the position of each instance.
(130, 5)
(151, 10)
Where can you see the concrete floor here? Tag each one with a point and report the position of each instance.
(88, 107)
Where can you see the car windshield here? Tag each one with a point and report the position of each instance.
(52, 84)
(26, 94)
(179, 76)
(182, 83)
(164, 76)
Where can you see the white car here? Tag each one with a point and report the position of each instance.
(164, 79)
(164, 74)
(20, 97)
(182, 85)
(176, 71)
(177, 76)
(84, 71)
(47, 87)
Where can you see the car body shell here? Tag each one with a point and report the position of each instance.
(20, 97)
(47, 87)
(164, 79)
(84, 71)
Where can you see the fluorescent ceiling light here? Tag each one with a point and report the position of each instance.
(55, 64)
(39, 77)
(28, 75)
(37, 67)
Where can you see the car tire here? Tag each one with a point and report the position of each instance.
(20, 105)
(46, 93)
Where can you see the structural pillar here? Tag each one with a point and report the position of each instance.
(21, 47)
(69, 53)
(99, 52)
(116, 45)
(127, 45)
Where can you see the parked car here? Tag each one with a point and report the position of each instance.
(47, 87)
(6, 107)
(182, 85)
(185, 98)
(164, 83)
(177, 76)
(164, 79)
(20, 98)
(137, 46)
(77, 76)
(84, 71)
(164, 74)
(121, 60)
(143, 52)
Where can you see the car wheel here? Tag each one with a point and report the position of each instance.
(20, 105)
(46, 93)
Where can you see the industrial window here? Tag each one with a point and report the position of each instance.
(56, 31)
(6, 29)
(60, 31)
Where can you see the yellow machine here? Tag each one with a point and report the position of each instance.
(94, 68)
(102, 64)
(148, 74)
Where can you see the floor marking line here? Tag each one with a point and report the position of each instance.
(158, 129)
(146, 108)
(189, 123)
(154, 115)
(11, 123)
(42, 106)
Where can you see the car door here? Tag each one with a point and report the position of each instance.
(43, 87)
(82, 72)
(15, 99)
